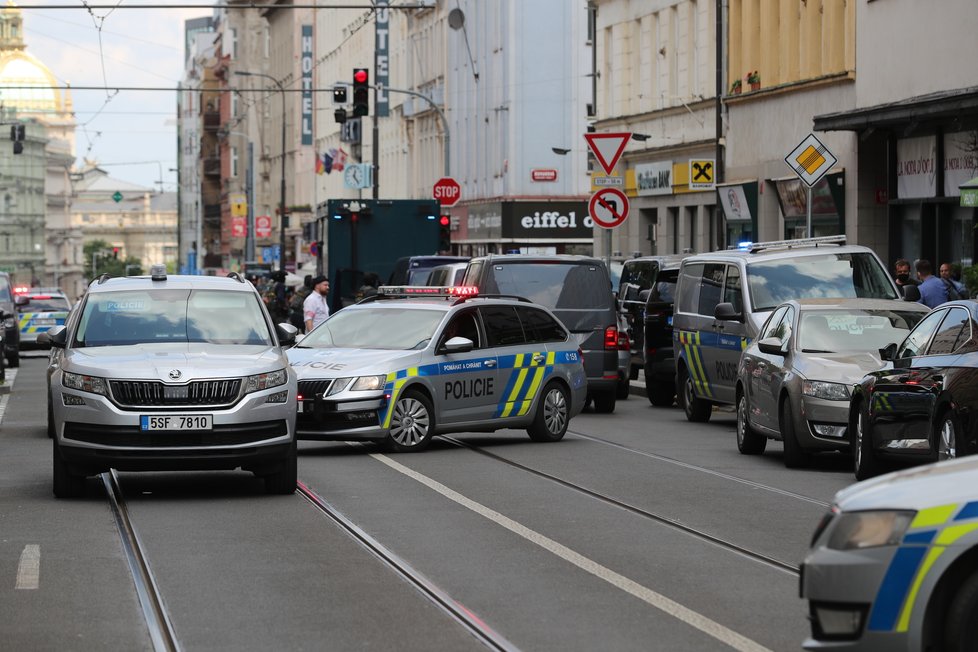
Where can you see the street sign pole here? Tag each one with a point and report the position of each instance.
(809, 211)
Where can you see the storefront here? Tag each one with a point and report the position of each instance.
(913, 157)
(530, 227)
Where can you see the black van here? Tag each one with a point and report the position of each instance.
(660, 363)
(578, 291)
(11, 328)
(638, 278)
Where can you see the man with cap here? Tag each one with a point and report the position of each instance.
(315, 310)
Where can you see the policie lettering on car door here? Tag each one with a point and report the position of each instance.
(467, 386)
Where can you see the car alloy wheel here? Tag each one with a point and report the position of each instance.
(947, 439)
(411, 424)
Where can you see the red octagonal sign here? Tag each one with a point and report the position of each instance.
(447, 191)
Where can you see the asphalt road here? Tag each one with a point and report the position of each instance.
(638, 531)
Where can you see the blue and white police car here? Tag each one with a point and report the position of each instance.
(412, 362)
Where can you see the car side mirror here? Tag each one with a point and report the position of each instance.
(458, 345)
(725, 312)
(888, 352)
(771, 346)
(911, 293)
(286, 333)
(56, 336)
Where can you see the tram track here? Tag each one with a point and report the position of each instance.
(607, 499)
(161, 632)
(453, 609)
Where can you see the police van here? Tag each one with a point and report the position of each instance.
(412, 362)
(724, 297)
(40, 310)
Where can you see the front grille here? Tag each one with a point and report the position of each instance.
(132, 436)
(311, 388)
(326, 421)
(131, 393)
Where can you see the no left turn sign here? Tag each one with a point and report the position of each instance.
(608, 207)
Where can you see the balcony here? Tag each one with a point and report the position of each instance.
(212, 120)
(212, 166)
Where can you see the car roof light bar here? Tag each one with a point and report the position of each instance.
(754, 247)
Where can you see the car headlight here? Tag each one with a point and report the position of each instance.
(368, 383)
(259, 382)
(856, 530)
(92, 384)
(828, 391)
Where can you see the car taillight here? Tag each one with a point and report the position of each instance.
(611, 337)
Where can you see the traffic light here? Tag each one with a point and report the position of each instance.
(339, 115)
(444, 234)
(115, 252)
(361, 92)
(17, 134)
(339, 94)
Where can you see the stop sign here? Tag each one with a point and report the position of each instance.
(447, 191)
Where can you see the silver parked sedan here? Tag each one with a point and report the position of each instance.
(892, 565)
(171, 373)
(412, 362)
(795, 380)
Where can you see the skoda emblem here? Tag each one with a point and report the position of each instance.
(174, 374)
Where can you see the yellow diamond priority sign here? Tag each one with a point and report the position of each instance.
(811, 160)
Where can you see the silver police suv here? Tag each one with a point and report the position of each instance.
(415, 361)
(166, 373)
(723, 298)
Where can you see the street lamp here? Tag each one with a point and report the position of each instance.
(281, 209)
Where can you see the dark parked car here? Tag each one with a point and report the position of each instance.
(638, 277)
(657, 356)
(577, 289)
(414, 270)
(11, 330)
(923, 409)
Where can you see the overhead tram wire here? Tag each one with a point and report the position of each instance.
(243, 5)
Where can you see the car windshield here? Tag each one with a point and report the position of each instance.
(47, 304)
(158, 316)
(558, 286)
(398, 329)
(821, 276)
(854, 330)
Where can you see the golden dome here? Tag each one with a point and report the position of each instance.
(26, 84)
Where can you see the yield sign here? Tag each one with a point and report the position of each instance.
(607, 148)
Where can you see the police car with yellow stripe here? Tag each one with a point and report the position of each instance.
(412, 362)
(43, 310)
(894, 564)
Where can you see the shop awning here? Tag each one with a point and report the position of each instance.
(969, 193)
(923, 108)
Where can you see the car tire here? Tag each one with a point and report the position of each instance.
(412, 424)
(622, 390)
(794, 455)
(945, 437)
(66, 483)
(865, 464)
(604, 403)
(749, 442)
(660, 394)
(697, 410)
(553, 414)
(284, 482)
(961, 626)
(13, 360)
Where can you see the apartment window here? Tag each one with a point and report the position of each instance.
(234, 161)
(234, 104)
(233, 38)
(268, 43)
